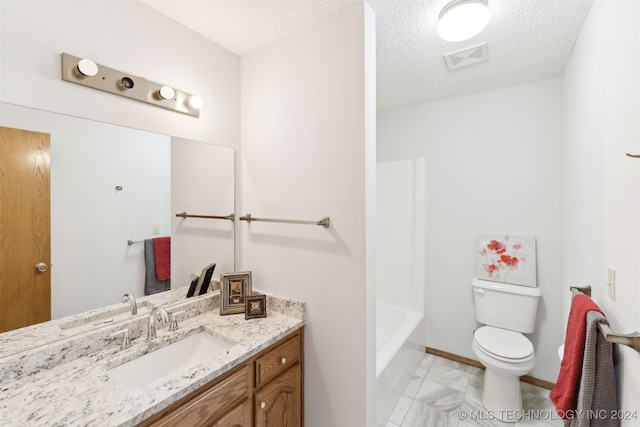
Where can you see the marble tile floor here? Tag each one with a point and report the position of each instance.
(444, 393)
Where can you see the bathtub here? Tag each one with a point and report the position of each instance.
(394, 326)
(397, 354)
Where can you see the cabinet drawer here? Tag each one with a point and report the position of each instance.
(211, 404)
(277, 360)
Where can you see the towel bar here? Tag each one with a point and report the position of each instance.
(131, 241)
(631, 340)
(323, 222)
(230, 217)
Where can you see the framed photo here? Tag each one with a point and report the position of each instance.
(507, 259)
(256, 306)
(234, 289)
(200, 284)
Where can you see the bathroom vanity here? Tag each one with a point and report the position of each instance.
(268, 385)
(250, 374)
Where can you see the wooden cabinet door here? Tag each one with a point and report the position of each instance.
(279, 403)
(203, 409)
(239, 417)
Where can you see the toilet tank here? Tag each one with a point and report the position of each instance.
(506, 306)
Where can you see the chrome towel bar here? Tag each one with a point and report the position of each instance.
(631, 340)
(230, 217)
(325, 222)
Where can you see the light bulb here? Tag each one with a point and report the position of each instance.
(166, 92)
(195, 102)
(87, 68)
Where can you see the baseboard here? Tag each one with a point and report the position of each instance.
(465, 360)
(454, 357)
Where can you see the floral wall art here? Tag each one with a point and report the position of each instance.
(507, 259)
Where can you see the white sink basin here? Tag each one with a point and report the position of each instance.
(101, 317)
(167, 362)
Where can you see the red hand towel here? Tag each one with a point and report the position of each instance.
(162, 255)
(565, 393)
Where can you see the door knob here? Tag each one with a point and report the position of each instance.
(42, 267)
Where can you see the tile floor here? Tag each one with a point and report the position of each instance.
(444, 393)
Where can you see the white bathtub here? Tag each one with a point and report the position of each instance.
(394, 326)
(397, 354)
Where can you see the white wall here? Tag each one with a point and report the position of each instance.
(203, 183)
(125, 35)
(308, 151)
(602, 207)
(493, 165)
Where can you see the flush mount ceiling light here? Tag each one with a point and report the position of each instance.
(462, 19)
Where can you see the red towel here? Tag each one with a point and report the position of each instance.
(162, 255)
(565, 393)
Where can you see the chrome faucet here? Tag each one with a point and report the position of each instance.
(151, 327)
(126, 340)
(132, 302)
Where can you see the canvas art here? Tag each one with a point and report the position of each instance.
(507, 259)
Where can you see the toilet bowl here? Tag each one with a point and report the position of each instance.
(506, 355)
(506, 311)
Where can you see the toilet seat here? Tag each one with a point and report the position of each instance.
(502, 344)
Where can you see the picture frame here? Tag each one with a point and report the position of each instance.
(200, 285)
(234, 289)
(506, 258)
(255, 306)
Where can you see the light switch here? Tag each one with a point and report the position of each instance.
(156, 229)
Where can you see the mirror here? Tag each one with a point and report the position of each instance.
(109, 185)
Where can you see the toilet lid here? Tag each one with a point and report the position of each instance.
(503, 343)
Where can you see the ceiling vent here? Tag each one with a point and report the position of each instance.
(465, 57)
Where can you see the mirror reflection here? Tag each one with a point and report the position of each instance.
(111, 188)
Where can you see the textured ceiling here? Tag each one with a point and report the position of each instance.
(527, 40)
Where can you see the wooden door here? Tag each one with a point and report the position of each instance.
(25, 235)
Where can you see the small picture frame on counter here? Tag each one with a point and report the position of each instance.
(234, 289)
(200, 284)
(256, 306)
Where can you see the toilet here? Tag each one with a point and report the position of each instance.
(507, 312)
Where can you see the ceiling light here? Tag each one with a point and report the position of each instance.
(462, 19)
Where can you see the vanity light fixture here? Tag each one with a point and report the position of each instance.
(462, 19)
(87, 73)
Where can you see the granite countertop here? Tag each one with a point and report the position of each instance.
(66, 382)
